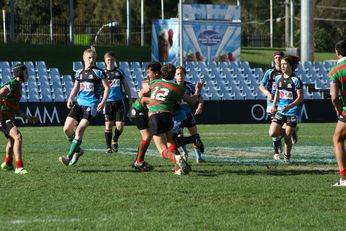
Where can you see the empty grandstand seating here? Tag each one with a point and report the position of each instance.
(224, 81)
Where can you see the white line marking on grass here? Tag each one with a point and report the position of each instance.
(251, 155)
(48, 220)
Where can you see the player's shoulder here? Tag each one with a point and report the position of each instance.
(338, 68)
(78, 71)
(98, 71)
(269, 71)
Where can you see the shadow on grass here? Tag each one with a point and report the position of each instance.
(277, 172)
(274, 169)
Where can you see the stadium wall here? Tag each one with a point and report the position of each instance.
(214, 112)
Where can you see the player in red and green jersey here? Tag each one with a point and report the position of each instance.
(164, 95)
(139, 116)
(337, 77)
(10, 95)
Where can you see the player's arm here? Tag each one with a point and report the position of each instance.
(275, 100)
(265, 92)
(3, 92)
(102, 104)
(200, 105)
(73, 93)
(145, 89)
(334, 91)
(262, 87)
(192, 99)
(32, 119)
(127, 90)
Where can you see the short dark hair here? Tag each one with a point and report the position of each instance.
(18, 70)
(181, 68)
(155, 67)
(281, 53)
(340, 46)
(168, 71)
(292, 60)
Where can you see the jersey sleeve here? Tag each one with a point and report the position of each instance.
(265, 78)
(121, 75)
(298, 83)
(76, 76)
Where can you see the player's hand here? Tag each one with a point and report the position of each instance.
(100, 106)
(270, 98)
(198, 111)
(199, 86)
(286, 108)
(33, 119)
(69, 104)
(274, 109)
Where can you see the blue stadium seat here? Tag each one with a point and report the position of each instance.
(33, 95)
(124, 65)
(68, 84)
(101, 65)
(5, 64)
(46, 95)
(58, 95)
(44, 86)
(24, 98)
(54, 71)
(29, 64)
(77, 65)
(5, 78)
(42, 71)
(31, 72)
(135, 65)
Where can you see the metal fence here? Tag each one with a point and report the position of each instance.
(38, 32)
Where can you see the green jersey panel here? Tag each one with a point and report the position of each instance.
(164, 95)
(338, 74)
(10, 102)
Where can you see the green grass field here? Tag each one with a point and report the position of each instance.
(238, 188)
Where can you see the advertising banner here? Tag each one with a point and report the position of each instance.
(211, 12)
(206, 41)
(165, 40)
(216, 112)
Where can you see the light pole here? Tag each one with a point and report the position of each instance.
(111, 24)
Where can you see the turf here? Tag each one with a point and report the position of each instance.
(238, 188)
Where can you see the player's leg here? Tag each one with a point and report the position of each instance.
(71, 123)
(73, 154)
(339, 149)
(276, 141)
(69, 126)
(299, 120)
(191, 124)
(288, 143)
(109, 113)
(120, 114)
(16, 136)
(119, 128)
(178, 133)
(275, 131)
(108, 135)
(139, 163)
(140, 119)
(8, 161)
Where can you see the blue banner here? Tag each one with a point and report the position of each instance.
(211, 12)
(206, 41)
